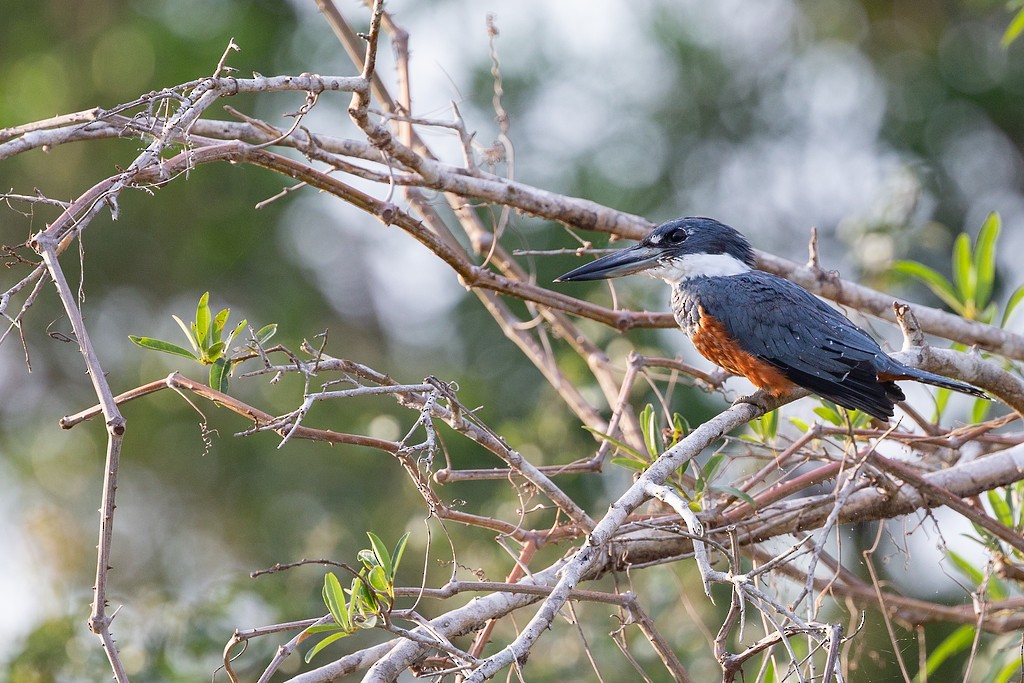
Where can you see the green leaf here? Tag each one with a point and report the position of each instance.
(630, 464)
(859, 418)
(203, 320)
(378, 579)
(1000, 508)
(334, 599)
(712, 465)
(219, 321)
(622, 446)
(158, 345)
(989, 313)
(942, 397)
(680, 428)
(1014, 30)
(829, 415)
(188, 334)
(932, 279)
(771, 420)
(264, 334)
(956, 642)
(766, 427)
(984, 538)
(219, 372)
(367, 557)
(363, 598)
(1008, 671)
(1011, 304)
(985, 258)
(324, 643)
(979, 412)
(799, 424)
(215, 352)
(649, 427)
(380, 551)
(322, 628)
(966, 568)
(238, 328)
(962, 273)
(736, 493)
(396, 554)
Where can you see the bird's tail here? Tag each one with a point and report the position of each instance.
(944, 382)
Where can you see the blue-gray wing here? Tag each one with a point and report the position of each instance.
(812, 344)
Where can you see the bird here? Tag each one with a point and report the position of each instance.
(752, 323)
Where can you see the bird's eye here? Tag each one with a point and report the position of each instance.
(676, 236)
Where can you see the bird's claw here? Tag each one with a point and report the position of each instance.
(759, 399)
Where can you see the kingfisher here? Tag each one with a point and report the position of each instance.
(763, 327)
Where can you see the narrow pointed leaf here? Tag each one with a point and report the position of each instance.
(363, 598)
(965, 285)
(322, 628)
(985, 258)
(188, 333)
(953, 644)
(396, 554)
(219, 321)
(160, 345)
(980, 410)
(799, 424)
(829, 415)
(1014, 30)
(630, 464)
(219, 372)
(932, 279)
(621, 445)
(1006, 674)
(712, 465)
(380, 551)
(680, 423)
(1011, 304)
(733, 491)
(203, 320)
(264, 334)
(942, 397)
(238, 328)
(966, 568)
(334, 598)
(649, 427)
(322, 644)
(1000, 508)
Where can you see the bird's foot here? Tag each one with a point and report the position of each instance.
(760, 399)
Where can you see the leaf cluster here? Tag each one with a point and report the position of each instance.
(657, 440)
(969, 293)
(206, 337)
(368, 600)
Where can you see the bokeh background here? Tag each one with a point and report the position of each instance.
(890, 126)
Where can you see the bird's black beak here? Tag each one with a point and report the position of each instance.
(636, 259)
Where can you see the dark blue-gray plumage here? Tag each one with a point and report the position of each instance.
(764, 327)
